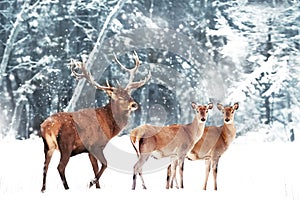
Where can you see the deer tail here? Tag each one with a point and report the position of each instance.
(49, 132)
(135, 141)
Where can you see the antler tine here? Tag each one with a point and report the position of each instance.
(137, 61)
(74, 65)
(121, 65)
(78, 65)
(138, 84)
(133, 71)
(107, 83)
(131, 85)
(85, 74)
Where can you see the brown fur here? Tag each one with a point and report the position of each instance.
(214, 142)
(88, 130)
(167, 141)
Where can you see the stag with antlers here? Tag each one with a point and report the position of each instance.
(89, 130)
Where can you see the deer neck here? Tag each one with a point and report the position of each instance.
(117, 118)
(197, 128)
(228, 133)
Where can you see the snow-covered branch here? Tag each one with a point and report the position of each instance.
(26, 8)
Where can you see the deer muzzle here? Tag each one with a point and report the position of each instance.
(227, 120)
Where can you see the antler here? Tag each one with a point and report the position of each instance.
(132, 85)
(85, 74)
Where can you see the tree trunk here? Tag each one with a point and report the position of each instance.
(79, 99)
(12, 37)
(268, 110)
(16, 119)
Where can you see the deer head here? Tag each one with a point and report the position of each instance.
(228, 112)
(119, 96)
(202, 111)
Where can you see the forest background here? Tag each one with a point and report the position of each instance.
(244, 51)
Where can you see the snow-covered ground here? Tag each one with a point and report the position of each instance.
(246, 171)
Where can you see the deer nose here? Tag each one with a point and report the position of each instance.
(203, 119)
(133, 106)
(227, 120)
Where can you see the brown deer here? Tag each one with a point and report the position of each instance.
(213, 143)
(173, 141)
(89, 130)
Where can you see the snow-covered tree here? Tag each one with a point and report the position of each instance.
(197, 50)
(268, 85)
(44, 35)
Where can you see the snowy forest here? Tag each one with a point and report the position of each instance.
(244, 51)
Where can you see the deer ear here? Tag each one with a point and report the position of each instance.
(194, 105)
(220, 106)
(210, 105)
(236, 106)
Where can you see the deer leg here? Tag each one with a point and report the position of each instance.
(173, 173)
(102, 159)
(137, 169)
(142, 179)
(208, 164)
(95, 166)
(215, 172)
(181, 165)
(48, 155)
(168, 184)
(64, 159)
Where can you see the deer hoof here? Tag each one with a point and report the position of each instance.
(92, 182)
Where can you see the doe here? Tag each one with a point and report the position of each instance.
(213, 143)
(173, 141)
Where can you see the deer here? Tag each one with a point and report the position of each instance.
(212, 145)
(88, 130)
(173, 141)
